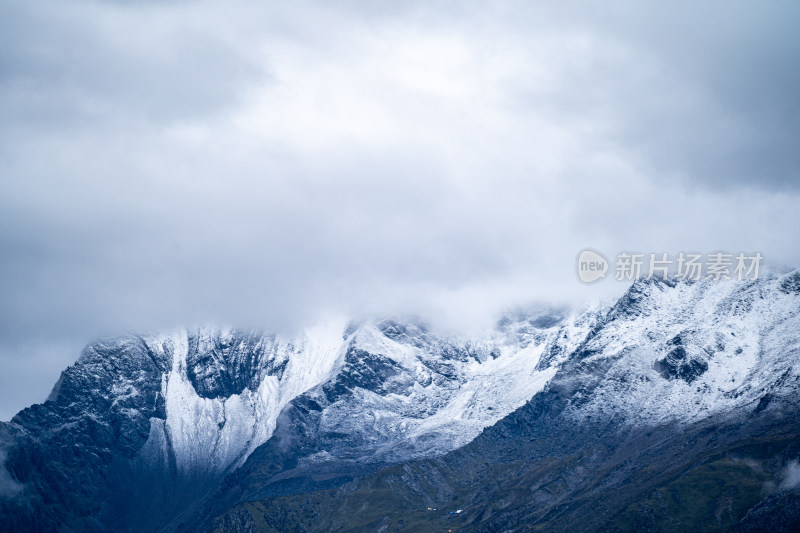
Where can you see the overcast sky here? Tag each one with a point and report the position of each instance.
(265, 164)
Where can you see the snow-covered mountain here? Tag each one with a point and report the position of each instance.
(186, 408)
(681, 351)
(194, 424)
(393, 386)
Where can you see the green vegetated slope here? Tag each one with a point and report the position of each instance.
(702, 478)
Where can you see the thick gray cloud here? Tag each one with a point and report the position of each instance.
(266, 165)
(730, 110)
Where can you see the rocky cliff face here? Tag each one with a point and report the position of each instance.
(536, 421)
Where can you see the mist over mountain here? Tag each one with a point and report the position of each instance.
(673, 408)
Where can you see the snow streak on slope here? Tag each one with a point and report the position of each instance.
(433, 404)
(214, 434)
(450, 388)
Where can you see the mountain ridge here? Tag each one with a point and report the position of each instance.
(205, 425)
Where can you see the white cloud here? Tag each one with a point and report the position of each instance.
(791, 475)
(168, 163)
(8, 486)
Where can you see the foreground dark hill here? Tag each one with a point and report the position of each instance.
(675, 409)
(711, 476)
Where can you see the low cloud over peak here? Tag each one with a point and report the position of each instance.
(171, 163)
